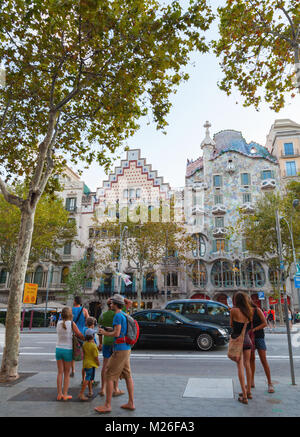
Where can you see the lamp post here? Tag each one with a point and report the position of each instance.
(50, 275)
(282, 283)
(120, 256)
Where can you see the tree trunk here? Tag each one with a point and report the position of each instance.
(10, 360)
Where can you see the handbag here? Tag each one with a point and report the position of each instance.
(76, 343)
(235, 346)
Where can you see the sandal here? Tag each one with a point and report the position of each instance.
(59, 397)
(66, 398)
(271, 388)
(243, 400)
(249, 395)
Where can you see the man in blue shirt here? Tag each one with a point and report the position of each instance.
(119, 363)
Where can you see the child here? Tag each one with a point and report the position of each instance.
(64, 352)
(90, 324)
(90, 363)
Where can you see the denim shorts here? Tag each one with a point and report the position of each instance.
(260, 344)
(90, 374)
(64, 354)
(107, 350)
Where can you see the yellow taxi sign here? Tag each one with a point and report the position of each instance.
(30, 293)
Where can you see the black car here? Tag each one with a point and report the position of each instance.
(202, 311)
(169, 326)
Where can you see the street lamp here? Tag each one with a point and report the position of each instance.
(282, 283)
(120, 256)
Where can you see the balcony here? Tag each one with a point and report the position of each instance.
(268, 184)
(247, 208)
(219, 209)
(219, 232)
(295, 154)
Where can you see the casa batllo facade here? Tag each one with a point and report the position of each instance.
(229, 174)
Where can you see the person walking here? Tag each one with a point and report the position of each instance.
(106, 345)
(64, 352)
(241, 314)
(80, 315)
(119, 363)
(90, 364)
(259, 323)
(271, 318)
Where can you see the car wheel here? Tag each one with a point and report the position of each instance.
(204, 342)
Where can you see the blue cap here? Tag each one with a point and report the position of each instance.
(90, 332)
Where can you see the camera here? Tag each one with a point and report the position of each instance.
(106, 328)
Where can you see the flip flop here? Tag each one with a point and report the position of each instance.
(243, 400)
(271, 388)
(249, 395)
(66, 398)
(59, 398)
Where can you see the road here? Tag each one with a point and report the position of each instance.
(37, 354)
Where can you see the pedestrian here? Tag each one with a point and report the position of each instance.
(271, 318)
(64, 352)
(119, 363)
(106, 345)
(80, 315)
(90, 364)
(259, 323)
(290, 317)
(90, 325)
(240, 315)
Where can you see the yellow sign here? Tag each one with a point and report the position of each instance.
(30, 293)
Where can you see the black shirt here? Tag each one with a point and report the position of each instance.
(256, 322)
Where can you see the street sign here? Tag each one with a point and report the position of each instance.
(261, 295)
(297, 269)
(297, 281)
(281, 265)
(30, 293)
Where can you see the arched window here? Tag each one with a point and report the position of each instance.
(222, 275)
(38, 276)
(200, 248)
(64, 274)
(274, 276)
(199, 275)
(253, 275)
(3, 276)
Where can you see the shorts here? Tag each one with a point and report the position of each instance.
(107, 350)
(90, 374)
(64, 354)
(260, 344)
(118, 366)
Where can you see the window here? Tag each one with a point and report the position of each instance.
(144, 317)
(218, 199)
(158, 317)
(71, 203)
(253, 274)
(138, 193)
(217, 181)
(214, 309)
(64, 275)
(200, 247)
(3, 276)
(171, 279)
(222, 275)
(291, 168)
(125, 194)
(244, 245)
(245, 179)
(91, 233)
(219, 222)
(220, 245)
(199, 275)
(267, 174)
(38, 276)
(246, 198)
(67, 248)
(132, 193)
(178, 307)
(195, 308)
(288, 149)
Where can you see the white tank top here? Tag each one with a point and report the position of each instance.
(64, 336)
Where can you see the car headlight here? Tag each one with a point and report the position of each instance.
(223, 332)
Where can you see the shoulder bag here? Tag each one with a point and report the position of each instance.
(235, 346)
(76, 343)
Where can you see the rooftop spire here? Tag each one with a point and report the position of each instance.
(207, 140)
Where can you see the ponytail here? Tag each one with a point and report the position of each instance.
(66, 314)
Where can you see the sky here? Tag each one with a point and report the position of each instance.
(197, 100)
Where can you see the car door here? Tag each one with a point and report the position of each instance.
(177, 330)
(218, 314)
(144, 320)
(158, 327)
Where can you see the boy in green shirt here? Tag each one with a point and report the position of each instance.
(90, 363)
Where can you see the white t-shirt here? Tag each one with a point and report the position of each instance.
(64, 336)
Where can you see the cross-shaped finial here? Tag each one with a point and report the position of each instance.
(207, 126)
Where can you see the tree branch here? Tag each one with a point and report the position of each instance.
(10, 198)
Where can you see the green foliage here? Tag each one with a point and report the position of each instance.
(52, 229)
(259, 47)
(80, 272)
(79, 75)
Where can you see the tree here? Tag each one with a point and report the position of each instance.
(259, 230)
(81, 271)
(146, 244)
(52, 230)
(79, 75)
(259, 47)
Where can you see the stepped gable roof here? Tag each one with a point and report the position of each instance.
(193, 166)
(231, 140)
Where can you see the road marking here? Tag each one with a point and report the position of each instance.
(221, 388)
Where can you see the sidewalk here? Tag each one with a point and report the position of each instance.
(155, 396)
